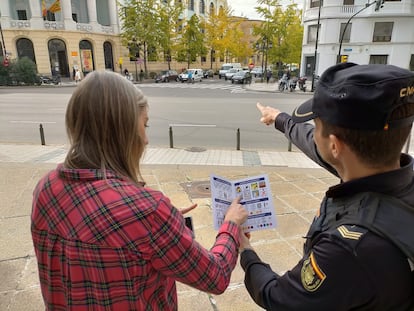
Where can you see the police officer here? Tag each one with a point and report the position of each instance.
(359, 247)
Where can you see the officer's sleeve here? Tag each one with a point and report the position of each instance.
(326, 279)
(301, 135)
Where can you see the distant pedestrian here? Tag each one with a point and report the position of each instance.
(268, 75)
(141, 75)
(78, 76)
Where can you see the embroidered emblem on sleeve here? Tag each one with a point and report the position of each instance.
(312, 276)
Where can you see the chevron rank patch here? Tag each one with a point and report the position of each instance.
(349, 234)
(311, 275)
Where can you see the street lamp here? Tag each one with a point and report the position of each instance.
(316, 45)
(367, 5)
(3, 46)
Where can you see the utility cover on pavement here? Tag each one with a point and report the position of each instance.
(197, 189)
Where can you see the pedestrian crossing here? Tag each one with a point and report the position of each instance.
(233, 88)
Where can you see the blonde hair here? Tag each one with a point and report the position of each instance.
(102, 121)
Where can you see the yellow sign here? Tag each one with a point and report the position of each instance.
(120, 61)
(74, 53)
(344, 58)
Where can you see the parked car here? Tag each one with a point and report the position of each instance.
(167, 76)
(196, 74)
(243, 77)
(231, 72)
(257, 72)
(208, 73)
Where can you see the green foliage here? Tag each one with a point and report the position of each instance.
(283, 29)
(191, 43)
(22, 71)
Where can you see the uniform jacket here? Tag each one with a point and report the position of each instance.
(345, 267)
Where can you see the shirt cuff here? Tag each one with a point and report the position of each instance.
(231, 229)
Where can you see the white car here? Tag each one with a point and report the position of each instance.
(229, 74)
(257, 72)
(196, 74)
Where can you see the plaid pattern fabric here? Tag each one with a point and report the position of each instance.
(102, 243)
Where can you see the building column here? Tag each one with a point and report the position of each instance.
(66, 10)
(4, 9)
(113, 15)
(35, 8)
(93, 18)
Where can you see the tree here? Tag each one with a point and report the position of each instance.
(224, 37)
(191, 43)
(138, 17)
(282, 31)
(169, 26)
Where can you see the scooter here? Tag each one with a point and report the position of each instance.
(292, 84)
(283, 83)
(302, 83)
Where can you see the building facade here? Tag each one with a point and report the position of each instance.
(62, 35)
(357, 31)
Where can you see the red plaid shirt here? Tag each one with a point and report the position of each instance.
(102, 243)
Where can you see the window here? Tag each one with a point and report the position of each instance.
(202, 7)
(25, 49)
(346, 34)
(191, 5)
(312, 29)
(378, 59)
(349, 2)
(21, 15)
(412, 62)
(315, 3)
(383, 32)
(212, 8)
(75, 17)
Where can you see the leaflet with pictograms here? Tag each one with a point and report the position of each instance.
(255, 196)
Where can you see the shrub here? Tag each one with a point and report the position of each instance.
(24, 71)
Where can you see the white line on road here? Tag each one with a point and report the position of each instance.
(32, 122)
(192, 125)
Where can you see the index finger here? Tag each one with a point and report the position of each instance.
(260, 107)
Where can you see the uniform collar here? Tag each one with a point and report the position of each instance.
(390, 183)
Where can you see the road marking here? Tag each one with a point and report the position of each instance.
(32, 122)
(191, 125)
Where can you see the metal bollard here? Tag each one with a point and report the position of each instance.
(171, 138)
(238, 139)
(290, 146)
(42, 134)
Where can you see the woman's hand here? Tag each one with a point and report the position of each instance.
(185, 210)
(236, 212)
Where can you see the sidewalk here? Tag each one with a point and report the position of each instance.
(297, 188)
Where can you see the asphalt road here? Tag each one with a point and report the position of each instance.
(201, 115)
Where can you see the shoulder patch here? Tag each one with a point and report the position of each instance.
(347, 233)
(311, 274)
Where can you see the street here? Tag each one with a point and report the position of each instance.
(201, 115)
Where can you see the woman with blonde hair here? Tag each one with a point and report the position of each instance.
(103, 240)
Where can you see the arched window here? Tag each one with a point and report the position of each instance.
(212, 8)
(202, 7)
(108, 55)
(24, 48)
(191, 5)
(58, 57)
(86, 53)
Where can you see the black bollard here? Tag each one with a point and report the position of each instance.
(171, 138)
(238, 139)
(290, 146)
(42, 134)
